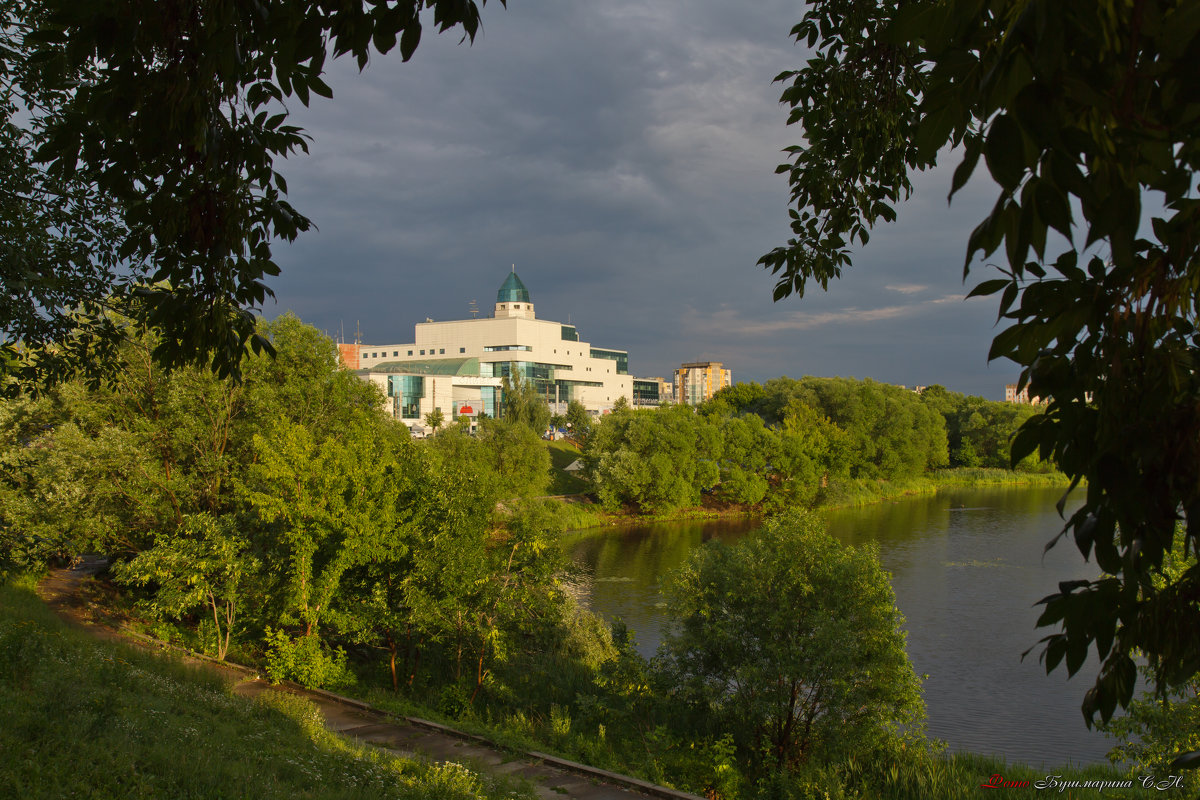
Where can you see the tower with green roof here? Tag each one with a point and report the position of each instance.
(513, 299)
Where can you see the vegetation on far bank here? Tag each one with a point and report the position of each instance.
(803, 443)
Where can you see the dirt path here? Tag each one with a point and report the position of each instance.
(551, 778)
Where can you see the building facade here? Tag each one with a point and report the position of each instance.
(652, 392)
(1011, 395)
(698, 381)
(458, 365)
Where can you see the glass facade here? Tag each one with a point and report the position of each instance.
(569, 334)
(407, 391)
(645, 393)
(544, 377)
(619, 356)
(489, 400)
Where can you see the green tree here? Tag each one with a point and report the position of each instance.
(1157, 727)
(110, 468)
(889, 432)
(435, 418)
(749, 452)
(324, 507)
(812, 451)
(203, 564)
(140, 142)
(657, 460)
(793, 644)
(58, 233)
(1080, 113)
(739, 398)
(507, 457)
(579, 422)
(524, 404)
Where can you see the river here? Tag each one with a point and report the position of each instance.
(967, 567)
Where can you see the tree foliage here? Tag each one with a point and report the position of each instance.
(981, 431)
(506, 459)
(657, 460)
(288, 513)
(579, 422)
(1086, 119)
(203, 564)
(793, 643)
(524, 404)
(138, 150)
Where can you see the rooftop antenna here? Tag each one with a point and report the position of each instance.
(357, 332)
(341, 332)
(514, 267)
(474, 309)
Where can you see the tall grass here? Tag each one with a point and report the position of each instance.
(83, 718)
(865, 491)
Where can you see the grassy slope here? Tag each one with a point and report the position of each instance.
(92, 719)
(562, 453)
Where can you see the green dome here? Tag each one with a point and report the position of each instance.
(512, 290)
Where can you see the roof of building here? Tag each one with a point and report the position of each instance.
(437, 366)
(512, 290)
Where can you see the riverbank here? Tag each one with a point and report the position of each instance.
(577, 513)
(853, 493)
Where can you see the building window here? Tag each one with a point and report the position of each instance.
(395, 353)
(422, 352)
(374, 355)
(442, 351)
(410, 352)
(462, 349)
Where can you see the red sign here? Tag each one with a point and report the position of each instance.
(466, 410)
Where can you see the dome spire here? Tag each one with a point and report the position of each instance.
(513, 298)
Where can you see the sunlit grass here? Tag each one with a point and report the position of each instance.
(864, 491)
(84, 718)
(562, 454)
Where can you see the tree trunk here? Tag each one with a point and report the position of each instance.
(392, 663)
(478, 675)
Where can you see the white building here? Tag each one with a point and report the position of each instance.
(457, 365)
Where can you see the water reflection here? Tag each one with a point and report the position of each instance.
(967, 568)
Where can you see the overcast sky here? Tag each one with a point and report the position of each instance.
(622, 155)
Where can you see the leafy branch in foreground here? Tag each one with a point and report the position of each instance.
(1087, 117)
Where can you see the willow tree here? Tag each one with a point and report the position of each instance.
(1087, 118)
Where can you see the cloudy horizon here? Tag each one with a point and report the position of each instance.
(622, 156)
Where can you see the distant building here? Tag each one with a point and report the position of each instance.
(698, 381)
(1011, 395)
(458, 365)
(652, 392)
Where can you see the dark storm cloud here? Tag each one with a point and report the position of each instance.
(622, 155)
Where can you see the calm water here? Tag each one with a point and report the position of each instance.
(967, 568)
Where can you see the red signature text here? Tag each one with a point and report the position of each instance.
(998, 781)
